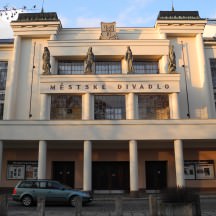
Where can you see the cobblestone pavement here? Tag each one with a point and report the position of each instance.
(106, 207)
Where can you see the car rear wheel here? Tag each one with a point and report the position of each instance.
(27, 200)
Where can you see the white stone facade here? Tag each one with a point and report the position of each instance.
(187, 137)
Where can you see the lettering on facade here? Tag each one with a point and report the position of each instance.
(108, 31)
(103, 87)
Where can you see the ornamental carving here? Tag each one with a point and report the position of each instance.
(89, 61)
(172, 60)
(46, 61)
(129, 60)
(108, 31)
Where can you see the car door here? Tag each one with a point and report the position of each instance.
(41, 189)
(56, 192)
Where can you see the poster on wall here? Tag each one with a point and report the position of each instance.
(22, 169)
(189, 171)
(199, 170)
(16, 171)
(205, 171)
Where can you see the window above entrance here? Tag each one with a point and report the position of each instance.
(146, 67)
(73, 67)
(110, 67)
(111, 107)
(213, 73)
(66, 107)
(153, 106)
(3, 77)
(70, 67)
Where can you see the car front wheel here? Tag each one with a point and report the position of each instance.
(27, 200)
(75, 201)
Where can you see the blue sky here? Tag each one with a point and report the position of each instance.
(126, 13)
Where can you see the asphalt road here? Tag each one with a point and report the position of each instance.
(132, 207)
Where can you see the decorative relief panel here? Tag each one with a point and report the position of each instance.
(108, 31)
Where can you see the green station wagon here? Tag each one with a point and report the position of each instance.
(28, 191)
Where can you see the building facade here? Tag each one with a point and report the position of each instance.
(109, 109)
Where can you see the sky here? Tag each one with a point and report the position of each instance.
(89, 13)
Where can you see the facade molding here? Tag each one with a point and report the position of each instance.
(109, 130)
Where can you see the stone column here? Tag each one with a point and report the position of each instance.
(45, 107)
(42, 159)
(174, 106)
(179, 163)
(87, 107)
(42, 152)
(52, 59)
(178, 145)
(207, 111)
(131, 113)
(133, 166)
(87, 166)
(131, 108)
(9, 112)
(164, 65)
(1, 159)
(164, 60)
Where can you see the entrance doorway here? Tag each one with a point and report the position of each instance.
(110, 175)
(156, 175)
(63, 171)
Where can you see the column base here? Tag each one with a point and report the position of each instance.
(88, 191)
(134, 194)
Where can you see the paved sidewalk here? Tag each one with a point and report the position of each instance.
(104, 205)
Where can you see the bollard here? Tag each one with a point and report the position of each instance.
(118, 206)
(78, 206)
(152, 205)
(197, 205)
(3, 205)
(41, 206)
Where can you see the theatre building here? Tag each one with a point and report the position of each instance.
(109, 109)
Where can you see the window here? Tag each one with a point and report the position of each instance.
(3, 74)
(213, 71)
(1, 108)
(199, 169)
(26, 184)
(22, 170)
(215, 98)
(108, 67)
(66, 107)
(3, 77)
(153, 107)
(43, 184)
(145, 67)
(70, 67)
(109, 107)
(54, 185)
